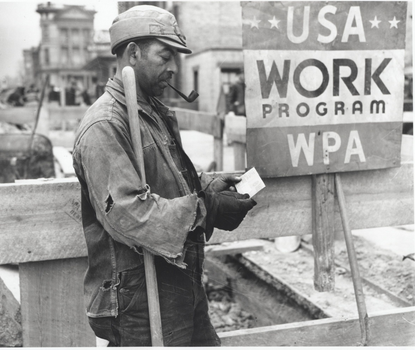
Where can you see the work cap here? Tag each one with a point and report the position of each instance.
(146, 21)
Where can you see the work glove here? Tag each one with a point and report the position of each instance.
(225, 209)
(223, 183)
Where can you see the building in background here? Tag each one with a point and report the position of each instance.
(70, 50)
(67, 33)
(31, 66)
(103, 64)
(214, 33)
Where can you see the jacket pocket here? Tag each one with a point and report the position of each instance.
(103, 302)
(132, 290)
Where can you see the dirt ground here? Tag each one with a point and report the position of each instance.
(385, 268)
(381, 267)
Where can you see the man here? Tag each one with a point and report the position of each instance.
(237, 95)
(171, 217)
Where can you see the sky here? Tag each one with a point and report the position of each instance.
(20, 29)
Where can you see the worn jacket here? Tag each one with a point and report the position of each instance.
(118, 216)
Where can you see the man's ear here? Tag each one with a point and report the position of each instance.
(134, 53)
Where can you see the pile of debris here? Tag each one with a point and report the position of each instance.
(24, 155)
(225, 314)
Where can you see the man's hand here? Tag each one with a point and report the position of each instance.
(223, 183)
(226, 209)
(232, 209)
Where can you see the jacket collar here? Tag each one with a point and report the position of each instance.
(116, 88)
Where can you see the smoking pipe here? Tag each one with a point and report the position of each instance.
(191, 98)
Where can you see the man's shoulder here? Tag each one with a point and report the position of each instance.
(104, 109)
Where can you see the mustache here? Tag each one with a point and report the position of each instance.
(167, 77)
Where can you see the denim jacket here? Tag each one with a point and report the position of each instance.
(118, 215)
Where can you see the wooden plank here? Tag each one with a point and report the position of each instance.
(41, 220)
(239, 151)
(234, 247)
(66, 118)
(53, 313)
(66, 113)
(188, 119)
(323, 231)
(218, 153)
(19, 115)
(208, 123)
(376, 198)
(388, 328)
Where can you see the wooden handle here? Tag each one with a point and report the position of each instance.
(354, 268)
(128, 78)
(130, 90)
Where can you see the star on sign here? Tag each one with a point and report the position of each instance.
(255, 22)
(394, 22)
(274, 22)
(375, 22)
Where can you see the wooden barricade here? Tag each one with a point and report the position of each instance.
(59, 124)
(40, 229)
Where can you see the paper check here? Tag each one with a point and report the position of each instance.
(251, 183)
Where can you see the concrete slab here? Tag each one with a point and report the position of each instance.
(400, 240)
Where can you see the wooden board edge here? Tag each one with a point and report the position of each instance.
(387, 328)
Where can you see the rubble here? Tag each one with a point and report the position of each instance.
(10, 319)
(225, 314)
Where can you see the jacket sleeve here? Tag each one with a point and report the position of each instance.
(105, 160)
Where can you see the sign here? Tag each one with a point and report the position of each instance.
(324, 85)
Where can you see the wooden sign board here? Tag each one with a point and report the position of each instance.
(324, 85)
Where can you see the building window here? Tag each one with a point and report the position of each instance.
(64, 35)
(196, 80)
(228, 77)
(75, 39)
(86, 53)
(64, 55)
(46, 56)
(87, 35)
(45, 33)
(76, 56)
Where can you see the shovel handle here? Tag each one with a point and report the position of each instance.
(128, 78)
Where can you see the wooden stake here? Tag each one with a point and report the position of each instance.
(128, 78)
(32, 136)
(323, 231)
(357, 283)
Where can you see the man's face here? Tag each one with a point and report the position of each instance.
(155, 67)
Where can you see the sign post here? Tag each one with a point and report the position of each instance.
(324, 95)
